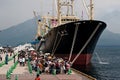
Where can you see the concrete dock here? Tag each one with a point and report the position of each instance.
(48, 77)
(22, 73)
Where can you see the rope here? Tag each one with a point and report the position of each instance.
(40, 43)
(89, 39)
(75, 34)
(61, 34)
(86, 8)
(98, 57)
(57, 44)
(37, 48)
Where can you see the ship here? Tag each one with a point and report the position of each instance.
(67, 36)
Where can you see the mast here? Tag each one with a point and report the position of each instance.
(69, 4)
(59, 12)
(72, 7)
(91, 9)
(38, 28)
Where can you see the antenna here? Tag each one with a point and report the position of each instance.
(38, 28)
(59, 12)
(35, 15)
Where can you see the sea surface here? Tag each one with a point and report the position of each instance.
(106, 63)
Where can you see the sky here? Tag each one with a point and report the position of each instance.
(13, 12)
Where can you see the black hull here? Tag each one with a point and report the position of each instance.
(59, 39)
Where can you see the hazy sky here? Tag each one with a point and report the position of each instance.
(13, 12)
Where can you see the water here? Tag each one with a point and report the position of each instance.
(106, 63)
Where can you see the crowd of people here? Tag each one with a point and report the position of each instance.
(46, 63)
(8, 52)
(50, 64)
(22, 57)
(2, 51)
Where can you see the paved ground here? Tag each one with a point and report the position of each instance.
(23, 74)
(3, 57)
(4, 68)
(21, 70)
(46, 77)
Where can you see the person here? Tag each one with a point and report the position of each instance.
(0, 58)
(23, 61)
(37, 77)
(14, 58)
(20, 61)
(6, 59)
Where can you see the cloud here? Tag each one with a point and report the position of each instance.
(13, 12)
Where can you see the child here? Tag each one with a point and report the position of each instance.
(37, 77)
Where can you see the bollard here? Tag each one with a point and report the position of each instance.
(10, 70)
(69, 71)
(7, 74)
(0, 65)
(29, 66)
(16, 77)
(54, 72)
(38, 71)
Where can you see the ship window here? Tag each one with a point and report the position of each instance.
(63, 19)
(53, 19)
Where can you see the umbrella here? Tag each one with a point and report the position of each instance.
(1, 48)
(31, 49)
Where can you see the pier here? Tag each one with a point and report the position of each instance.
(14, 71)
(22, 73)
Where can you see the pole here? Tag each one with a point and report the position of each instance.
(91, 9)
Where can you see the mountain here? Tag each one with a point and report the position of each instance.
(109, 38)
(19, 34)
(26, 31)
(112, 20)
